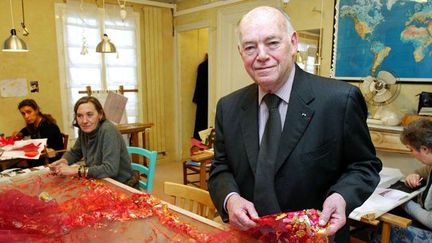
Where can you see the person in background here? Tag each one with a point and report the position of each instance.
(417, 137)
(39, 125)
(99, 144)
(324, 157)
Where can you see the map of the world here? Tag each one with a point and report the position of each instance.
(391, 35)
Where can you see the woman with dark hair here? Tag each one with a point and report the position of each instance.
(99, 144)
(39, 125)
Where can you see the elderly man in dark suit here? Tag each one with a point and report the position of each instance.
(323, 157)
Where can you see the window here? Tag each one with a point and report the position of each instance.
(79, 29)
(308, 54)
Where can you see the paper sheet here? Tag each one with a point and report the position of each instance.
(13, 87)
(13, 152)
(384, 199)
(114, 106)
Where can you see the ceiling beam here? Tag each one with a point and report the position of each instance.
(205, 7)
(154, 3)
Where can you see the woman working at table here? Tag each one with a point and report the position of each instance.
(417, 137)
(99, 144)
(39, 125)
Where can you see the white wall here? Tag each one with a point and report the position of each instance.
(405, 162)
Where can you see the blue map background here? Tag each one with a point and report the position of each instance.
(354, 56)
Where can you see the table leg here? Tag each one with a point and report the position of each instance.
(203, 175)
(135, 142)
(385, 234)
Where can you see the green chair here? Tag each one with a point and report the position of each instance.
(146, 170)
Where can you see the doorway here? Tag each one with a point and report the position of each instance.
(192, 51)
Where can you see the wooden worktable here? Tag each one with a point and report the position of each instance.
(140, 230)
(134, 129)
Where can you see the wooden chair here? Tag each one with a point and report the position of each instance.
(191, 198)
(65, 138)
(149, 170)
(197, 168)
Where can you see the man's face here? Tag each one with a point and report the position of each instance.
(266, 49)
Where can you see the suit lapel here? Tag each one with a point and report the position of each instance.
(249, 125)
(298, 116)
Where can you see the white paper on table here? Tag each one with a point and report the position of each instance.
(381, 201)
(389, 176)
(13, 87)
(10, 152)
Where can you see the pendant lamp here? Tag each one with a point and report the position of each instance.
(105, 46)
(14, 43)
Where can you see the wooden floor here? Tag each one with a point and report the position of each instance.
(166, 171)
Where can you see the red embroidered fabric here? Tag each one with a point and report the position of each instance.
(300, 227)
(35, 217)
(46, 208)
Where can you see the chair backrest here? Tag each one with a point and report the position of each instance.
(191, 198)
(148, 171)
(65, 140)
(211, 138)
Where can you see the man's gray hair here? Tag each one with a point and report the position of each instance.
(289, 27)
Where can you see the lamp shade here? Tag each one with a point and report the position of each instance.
(105, 46)
(14, 43)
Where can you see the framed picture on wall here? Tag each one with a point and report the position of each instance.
(383, 35)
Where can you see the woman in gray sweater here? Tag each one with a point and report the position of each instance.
(99, 144)
(417, 136)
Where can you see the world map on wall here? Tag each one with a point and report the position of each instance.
(391, 35)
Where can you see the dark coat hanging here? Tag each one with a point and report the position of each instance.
(200, 98)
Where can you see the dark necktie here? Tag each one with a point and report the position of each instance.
(265, 199)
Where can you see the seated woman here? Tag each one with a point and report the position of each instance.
(417, 137)
(39, 125)
(99, 144)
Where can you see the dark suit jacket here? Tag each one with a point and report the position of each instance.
(325, 146)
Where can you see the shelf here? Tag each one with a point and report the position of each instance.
(386, 138)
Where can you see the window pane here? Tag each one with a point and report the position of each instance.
(122, 38)
(81, 21)
(75, 35)
(126, 57)
(121, 75)
(84, 76)
(83, 27)
(76, 59)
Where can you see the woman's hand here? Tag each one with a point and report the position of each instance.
(17, 135)
(55, 166)
(51, 153)
(66, 170)
(413, 180)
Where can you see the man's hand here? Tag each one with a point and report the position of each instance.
(333, 213)
(241, 212)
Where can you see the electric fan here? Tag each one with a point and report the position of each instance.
(380, 91)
